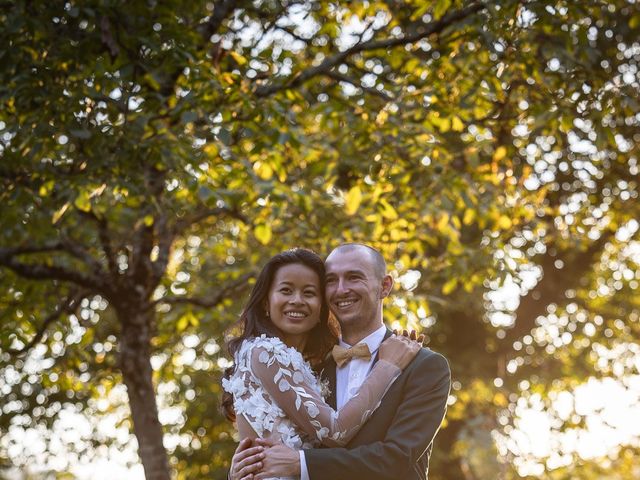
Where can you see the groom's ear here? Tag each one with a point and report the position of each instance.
(387, 285)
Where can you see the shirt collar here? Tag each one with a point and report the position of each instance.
(373, 340)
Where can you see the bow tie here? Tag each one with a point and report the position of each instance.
(342, 355)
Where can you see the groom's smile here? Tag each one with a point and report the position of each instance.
(354, 290)
(345, 303)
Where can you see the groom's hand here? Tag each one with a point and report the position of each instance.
(279, 461)
(246, 460)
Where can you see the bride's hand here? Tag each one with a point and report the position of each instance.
(401, 349)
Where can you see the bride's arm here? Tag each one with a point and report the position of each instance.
(305, 406)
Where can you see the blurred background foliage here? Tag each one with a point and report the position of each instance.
(155, 154)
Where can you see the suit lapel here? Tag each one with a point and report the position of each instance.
(379, 422)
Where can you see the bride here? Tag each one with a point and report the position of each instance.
(273, 390)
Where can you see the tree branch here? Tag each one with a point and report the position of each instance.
(27, 249)
(292, 33)
(77, 250)
(165, 239)
(68, 305)
(204, 213)
(221, 10)
(234, 287)
(372, 91)
(36, 271)
(330, 62)
(105, 239)
(66, 245)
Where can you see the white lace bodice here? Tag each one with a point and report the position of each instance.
(277, 393)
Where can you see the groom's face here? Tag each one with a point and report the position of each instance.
(354, 289)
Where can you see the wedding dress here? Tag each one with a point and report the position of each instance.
(275, 390)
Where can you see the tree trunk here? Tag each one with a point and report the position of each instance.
(135, 364)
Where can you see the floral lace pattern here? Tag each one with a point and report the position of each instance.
(252, 401)
(275, 390)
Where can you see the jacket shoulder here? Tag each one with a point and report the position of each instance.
(434, 360)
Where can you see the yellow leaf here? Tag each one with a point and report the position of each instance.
(504, 222)
(238, 58)
(264, 170)
(469, 216)
(450, 286)
(45, 188)
(148, 220)
(499, 154)
(57, 215)
(281, 172)
(388, 211)
(353, 200)
(454, 248)
(382, 117)
(443, 222)
(82, 202)
(456, 124)
(228, 78)
(185, 321)
(292, 95)
(500, 400)
(211, 149)
(263, 233)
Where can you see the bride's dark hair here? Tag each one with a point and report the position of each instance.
(254, 321)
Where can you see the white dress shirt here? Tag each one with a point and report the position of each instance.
(349, 379)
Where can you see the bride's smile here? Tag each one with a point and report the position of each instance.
(294, 302)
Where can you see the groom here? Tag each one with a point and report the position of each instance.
(396, 441)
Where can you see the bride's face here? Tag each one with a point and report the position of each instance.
(294, 303)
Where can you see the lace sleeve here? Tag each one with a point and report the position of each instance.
(285, 384)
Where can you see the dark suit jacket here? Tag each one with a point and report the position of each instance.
(396, 441)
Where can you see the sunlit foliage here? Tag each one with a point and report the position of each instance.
(155, 154)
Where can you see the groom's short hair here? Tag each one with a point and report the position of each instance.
(379, 265)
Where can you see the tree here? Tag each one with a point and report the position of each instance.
(153, 155)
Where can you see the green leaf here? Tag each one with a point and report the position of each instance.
(441, 8)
